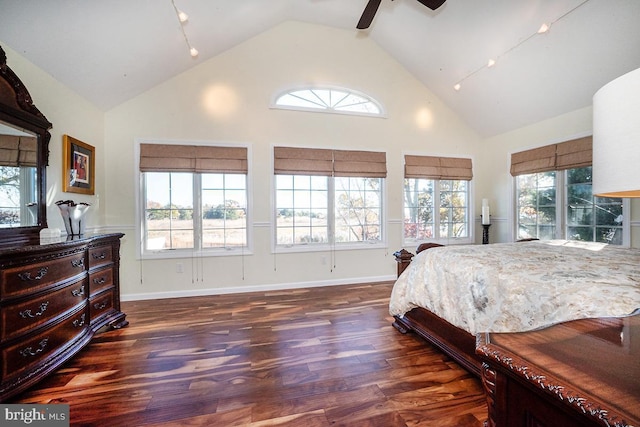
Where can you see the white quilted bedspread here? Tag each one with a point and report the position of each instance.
(514, 287)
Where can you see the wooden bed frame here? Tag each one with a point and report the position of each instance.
(517, 393)
(457, 343)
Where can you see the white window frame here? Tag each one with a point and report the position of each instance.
(411, 242)
(328, 108)
(331, 245)
(562, 209)
(197, 250)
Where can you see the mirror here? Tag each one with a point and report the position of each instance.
(18, 178)
(24, 141)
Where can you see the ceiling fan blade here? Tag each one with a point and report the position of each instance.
(368, 14)
(432, 4)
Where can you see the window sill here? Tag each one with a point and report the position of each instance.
(446, 242)
(281, 249)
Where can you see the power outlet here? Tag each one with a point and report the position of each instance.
(179, 268)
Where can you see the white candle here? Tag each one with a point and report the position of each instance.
(486, 217)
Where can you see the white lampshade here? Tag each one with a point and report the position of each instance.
(616, 137)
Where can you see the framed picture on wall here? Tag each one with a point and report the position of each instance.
(78, 166)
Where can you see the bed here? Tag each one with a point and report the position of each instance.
(449, 294)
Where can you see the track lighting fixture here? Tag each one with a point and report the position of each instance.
(182, 19)
(544, 28)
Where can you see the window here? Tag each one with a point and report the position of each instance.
(435, 209)
(591, 218)
(358, 209)
(302, 205)
(194, 197)
(554, 198)
(168, 210)
(436, 206)
(224, 210)
(560, 205)
(536, 205)
(331, 100)
(314, 206)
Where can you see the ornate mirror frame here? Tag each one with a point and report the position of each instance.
(17, 109)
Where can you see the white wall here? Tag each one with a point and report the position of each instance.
(496, 183)
(227, 99)
(72, 115)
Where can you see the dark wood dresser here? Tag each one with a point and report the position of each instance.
(579, 373)
(53, 298)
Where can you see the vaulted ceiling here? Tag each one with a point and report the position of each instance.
(110, 51)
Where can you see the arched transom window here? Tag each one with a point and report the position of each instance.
(329, 100)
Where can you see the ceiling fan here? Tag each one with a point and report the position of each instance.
(372, 7)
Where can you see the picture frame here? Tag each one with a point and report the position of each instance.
(78, 166)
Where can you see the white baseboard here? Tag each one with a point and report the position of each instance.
(254, 288)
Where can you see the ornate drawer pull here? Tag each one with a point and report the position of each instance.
(27, 313)
(101, 255)
(99, 306)
(99, 280)
(78, 292)
(78, 262)
(30, 352)
(79, 322)
(27, 275)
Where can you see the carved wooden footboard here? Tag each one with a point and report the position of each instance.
(457, 343)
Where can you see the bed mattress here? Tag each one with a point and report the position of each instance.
(515, 287)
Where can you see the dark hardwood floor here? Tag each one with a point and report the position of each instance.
(309, 357)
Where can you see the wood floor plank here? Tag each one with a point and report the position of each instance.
(324, 356)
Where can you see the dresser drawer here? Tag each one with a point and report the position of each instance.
(99, 280)
(101, 305)
(100, 255)
(49, 294)
(28, 279)
(25, 354)
(27, 315)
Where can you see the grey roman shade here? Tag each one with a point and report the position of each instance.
(192, 158)
(327, 162)
(18, 151)
(575, 153)
(432, 167)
